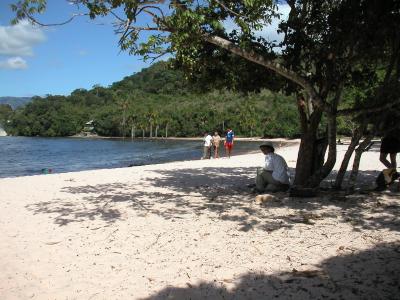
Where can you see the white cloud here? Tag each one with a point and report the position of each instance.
(13, 63)
(19, 39)
(269, 31)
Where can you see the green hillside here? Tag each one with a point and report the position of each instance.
(157, 101)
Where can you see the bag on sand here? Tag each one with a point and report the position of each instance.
(386, 178)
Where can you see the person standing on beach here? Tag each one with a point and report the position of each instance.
(216, 139)
(390, 145)
(230, 136)
(207, 146)
(274, 176)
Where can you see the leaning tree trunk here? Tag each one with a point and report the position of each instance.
(357, 157)
(355, 140)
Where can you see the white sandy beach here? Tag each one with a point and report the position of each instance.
(191, 230)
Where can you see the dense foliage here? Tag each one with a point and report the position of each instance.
(157, 101)
(5, 113)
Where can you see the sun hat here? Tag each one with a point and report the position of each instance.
(267, 145)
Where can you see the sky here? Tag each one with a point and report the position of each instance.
(57, 60)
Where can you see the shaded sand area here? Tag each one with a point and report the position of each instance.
(191, 230)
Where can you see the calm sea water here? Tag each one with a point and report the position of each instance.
(21, 156)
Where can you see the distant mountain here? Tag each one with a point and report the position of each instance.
(15, 102)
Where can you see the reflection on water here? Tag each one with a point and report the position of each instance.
(21, 156)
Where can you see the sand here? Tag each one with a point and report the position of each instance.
(192, 230)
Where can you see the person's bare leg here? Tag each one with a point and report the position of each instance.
(393, 160)
(384, 160)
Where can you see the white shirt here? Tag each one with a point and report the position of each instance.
(207, 141)
(277, 164)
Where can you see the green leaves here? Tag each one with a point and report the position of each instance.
(24, 8)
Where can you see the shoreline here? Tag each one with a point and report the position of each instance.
(251, 139)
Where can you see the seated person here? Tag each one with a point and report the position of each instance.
(274, 175)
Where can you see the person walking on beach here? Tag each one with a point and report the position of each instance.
(229, 137)
(274, 175)
(207, 146)
(216, 139)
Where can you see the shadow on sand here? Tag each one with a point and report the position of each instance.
(370, 274)
(221, 193)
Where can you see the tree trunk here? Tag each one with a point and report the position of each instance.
(151, 130)
(345, 162)
(357, 157)
(156, 133)
(321, 170)
(305, 158)
(123, 124)
(346, 159)
(308, 145)
(132, 127)
(143, 133)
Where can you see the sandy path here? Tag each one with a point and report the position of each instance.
(191, 230)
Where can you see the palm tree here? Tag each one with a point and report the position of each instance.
(132, 118)
(123, 104)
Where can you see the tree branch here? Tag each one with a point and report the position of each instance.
(367, 110)
(146, 10)
(274, 66)
(33, 20)
(301, 106)
(226, 8)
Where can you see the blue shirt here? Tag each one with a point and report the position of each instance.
(229, 136)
